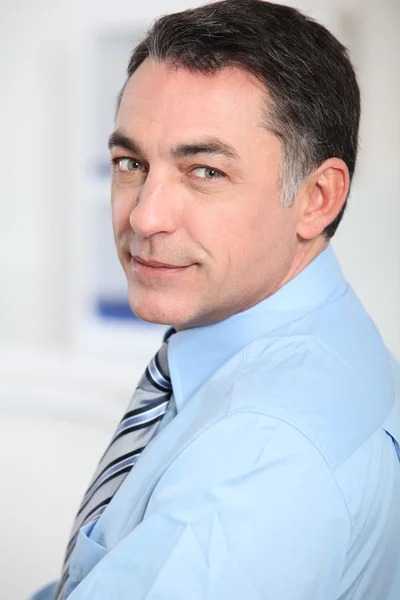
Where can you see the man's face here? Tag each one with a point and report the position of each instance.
(198, 223)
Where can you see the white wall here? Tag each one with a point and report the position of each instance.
(368, 240)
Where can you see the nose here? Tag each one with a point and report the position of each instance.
(156, 207)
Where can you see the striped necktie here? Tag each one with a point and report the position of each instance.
(138, 426)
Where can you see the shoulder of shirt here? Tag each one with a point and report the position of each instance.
(335, 387)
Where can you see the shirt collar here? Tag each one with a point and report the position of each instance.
(195, 354)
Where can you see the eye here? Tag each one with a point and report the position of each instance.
(130, 165)
(207, 173)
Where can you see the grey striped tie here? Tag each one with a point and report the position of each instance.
(138, 426)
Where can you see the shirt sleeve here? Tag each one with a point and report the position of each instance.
(249, 510)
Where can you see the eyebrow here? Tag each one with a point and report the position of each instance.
(123, 141)
(212, 146)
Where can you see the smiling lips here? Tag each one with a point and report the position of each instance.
(155, 263)
(155, 267)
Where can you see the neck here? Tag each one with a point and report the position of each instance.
(306, 253)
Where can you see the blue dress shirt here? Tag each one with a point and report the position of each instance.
(278, 477)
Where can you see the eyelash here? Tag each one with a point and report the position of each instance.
(220, 174)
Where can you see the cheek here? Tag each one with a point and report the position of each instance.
(257, 234)
(208, 227)
(228, 227)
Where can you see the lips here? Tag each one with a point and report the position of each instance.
(156, 264)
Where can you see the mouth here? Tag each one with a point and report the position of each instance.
(142, 266)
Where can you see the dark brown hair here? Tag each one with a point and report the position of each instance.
(313, 99)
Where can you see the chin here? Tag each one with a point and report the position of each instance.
(157, 317)
(154, 318)
(161, 312)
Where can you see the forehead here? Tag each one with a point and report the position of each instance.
(163, 99)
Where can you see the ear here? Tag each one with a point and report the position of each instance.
(321, 197)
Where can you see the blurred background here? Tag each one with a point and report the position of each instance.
(70, 352)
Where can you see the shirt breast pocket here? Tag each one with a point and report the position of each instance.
(86, 555)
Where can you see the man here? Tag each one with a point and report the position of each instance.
(271, 468)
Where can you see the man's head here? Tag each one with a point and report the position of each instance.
(236, 139)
